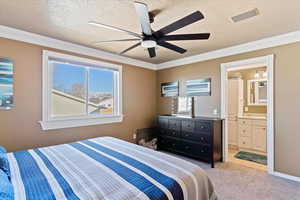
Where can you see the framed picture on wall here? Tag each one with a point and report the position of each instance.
(170, 89)
(198, 87)
(6, 83)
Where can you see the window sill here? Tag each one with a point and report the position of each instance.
(60, 124)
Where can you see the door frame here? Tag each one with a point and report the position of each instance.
(267, 61)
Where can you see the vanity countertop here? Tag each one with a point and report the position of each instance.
(253, 116)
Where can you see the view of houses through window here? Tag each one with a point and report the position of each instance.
(80, 90)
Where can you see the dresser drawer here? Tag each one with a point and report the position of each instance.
(174, 124)
(168, 143)
(168, 132)
(163, 131)
(195, 149)
(163, 123)
(201, 126)
(197, 137)
(188, 125)
(173, 133)
(245, 142)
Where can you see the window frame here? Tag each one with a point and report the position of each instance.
(49, 123)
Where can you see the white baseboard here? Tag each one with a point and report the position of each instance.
(286, 176)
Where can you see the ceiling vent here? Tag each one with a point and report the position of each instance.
(245, 15)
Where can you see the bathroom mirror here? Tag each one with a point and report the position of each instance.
(257, 92)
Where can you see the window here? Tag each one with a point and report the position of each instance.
(79, 92)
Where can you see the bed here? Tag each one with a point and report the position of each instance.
(105, 168)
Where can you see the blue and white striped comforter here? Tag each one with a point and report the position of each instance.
(108, 169)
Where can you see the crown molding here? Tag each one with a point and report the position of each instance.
(33, 38)
(269, 42)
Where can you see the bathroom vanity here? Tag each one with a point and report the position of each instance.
(252, 133)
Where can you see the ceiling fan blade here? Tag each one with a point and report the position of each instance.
(124, 40)
(172, 47)
(199, 36)
(114, 28)
(152, 52)
(132, 47)
(192, 18)
(143, 13)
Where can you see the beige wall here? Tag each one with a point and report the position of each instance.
(248, 74)
(287, 97)
(19, 127)
(205, 104)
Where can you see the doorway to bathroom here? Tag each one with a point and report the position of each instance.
(247, 107)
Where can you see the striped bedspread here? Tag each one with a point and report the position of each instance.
(105, 168)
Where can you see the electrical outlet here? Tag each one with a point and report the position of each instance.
(134, 136)
(246, 109)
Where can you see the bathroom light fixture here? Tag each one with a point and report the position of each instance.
(265, 74)
(256, 75)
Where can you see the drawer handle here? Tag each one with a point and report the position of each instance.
(202, 127)
(186, 135)
(202, 151)
(173, 133)
(202, 138)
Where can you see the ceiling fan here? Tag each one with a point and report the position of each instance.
(149, 39)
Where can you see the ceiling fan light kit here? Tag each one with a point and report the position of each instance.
(149, 39)
(148, 44)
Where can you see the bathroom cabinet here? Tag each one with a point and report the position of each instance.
(252, 134)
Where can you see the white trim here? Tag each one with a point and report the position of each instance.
(269, 42)
(24, 36)
(59, 124)
(267, 61)
(286, 176)
(33, 38)
(48, 123)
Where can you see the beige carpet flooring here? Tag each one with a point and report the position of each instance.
(237, 182)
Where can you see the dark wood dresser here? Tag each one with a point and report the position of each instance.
(198, 137)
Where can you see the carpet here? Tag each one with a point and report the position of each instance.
(236, 182)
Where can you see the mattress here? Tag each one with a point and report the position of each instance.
(105, 168)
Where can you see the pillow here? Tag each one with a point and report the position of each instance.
(6, 188)
(4, 164)
(2, 149)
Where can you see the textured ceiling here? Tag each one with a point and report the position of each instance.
(67, 20)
